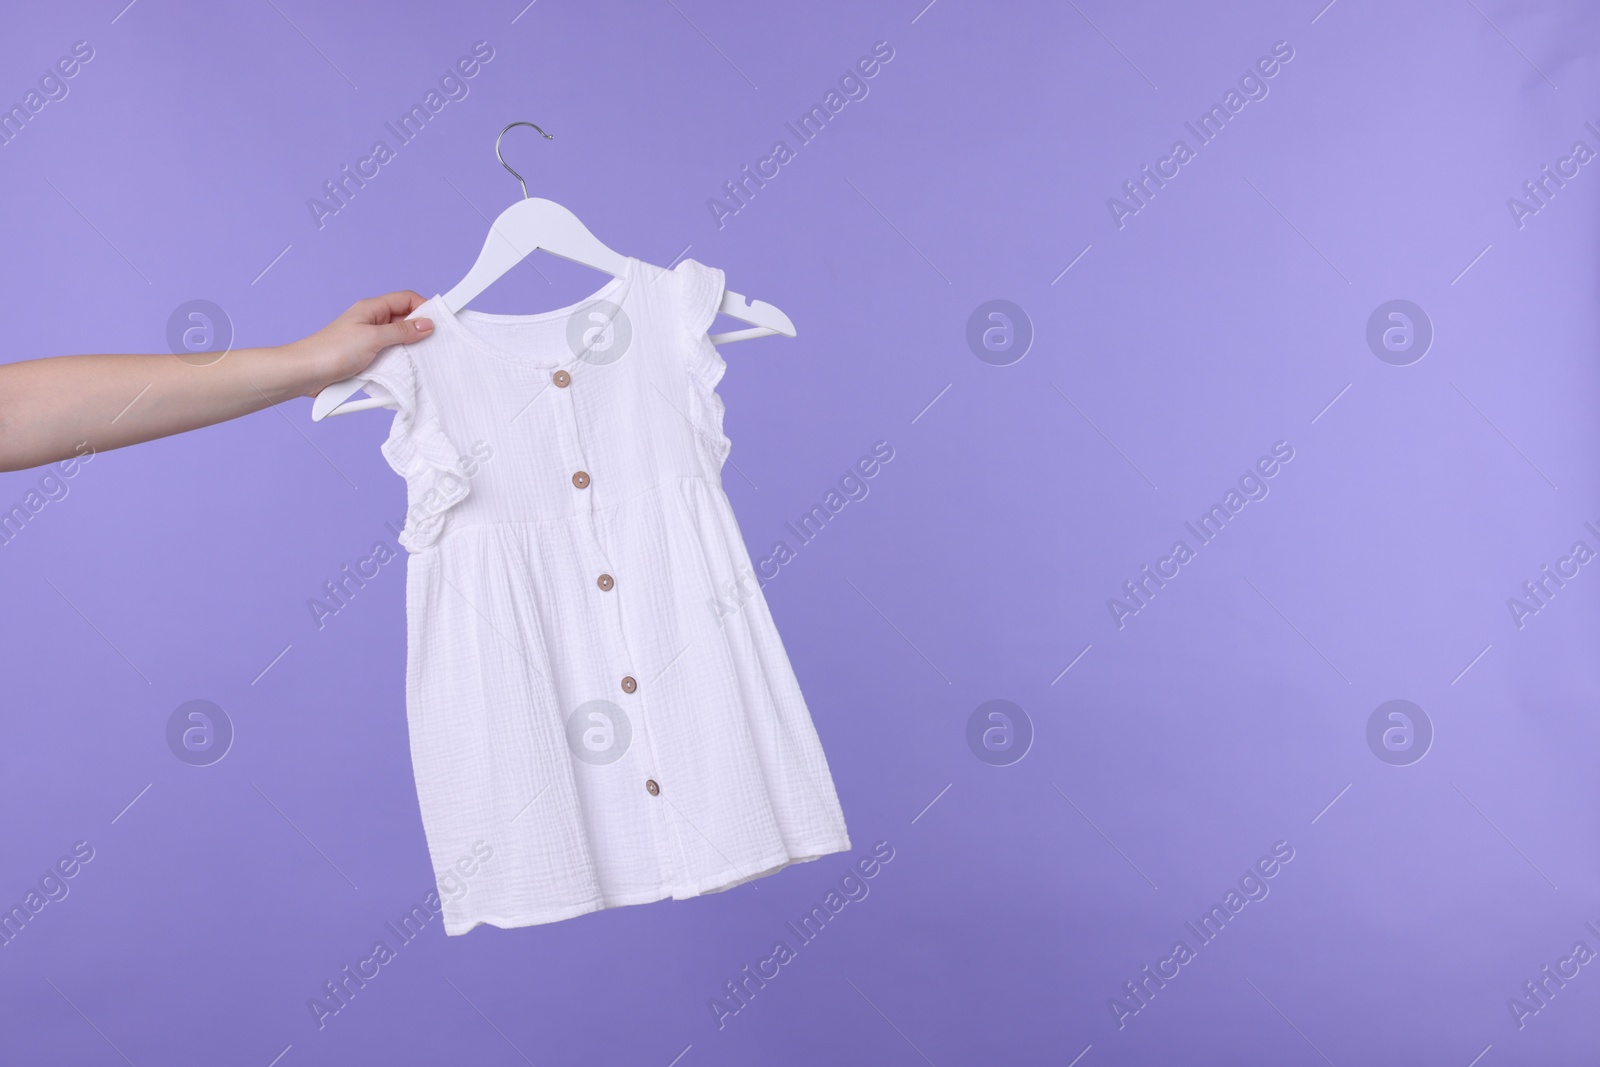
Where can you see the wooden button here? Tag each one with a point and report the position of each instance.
(628, 684)
(561, 378)
(581, 479)
(651, 787)
(605, 582)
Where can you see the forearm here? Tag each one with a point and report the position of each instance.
(49, 408)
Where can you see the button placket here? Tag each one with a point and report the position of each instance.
(630, 686)
(579, 475)
(666, 845)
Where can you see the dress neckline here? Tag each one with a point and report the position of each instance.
(460, 323)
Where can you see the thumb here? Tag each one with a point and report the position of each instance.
(403, 331)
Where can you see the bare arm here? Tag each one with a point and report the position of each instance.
(50, 408)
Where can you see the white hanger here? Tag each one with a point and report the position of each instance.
(534, 223)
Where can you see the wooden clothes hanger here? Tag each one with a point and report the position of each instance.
(534, 223)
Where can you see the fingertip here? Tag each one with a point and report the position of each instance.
(422, 326)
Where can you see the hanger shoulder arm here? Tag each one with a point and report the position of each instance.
(335, 399)
(742, 335)
(756, 313)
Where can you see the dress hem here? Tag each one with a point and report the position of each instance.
(728, 878)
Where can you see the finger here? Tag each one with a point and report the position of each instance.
(403, 331)
(388, 307)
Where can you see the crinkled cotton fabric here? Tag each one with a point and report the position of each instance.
(601, 710)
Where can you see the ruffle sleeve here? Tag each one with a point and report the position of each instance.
(418, 449)
(700, 295)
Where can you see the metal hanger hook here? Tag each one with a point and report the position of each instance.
(502, 159)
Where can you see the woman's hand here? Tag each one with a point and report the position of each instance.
(56, 407)
(344, 347)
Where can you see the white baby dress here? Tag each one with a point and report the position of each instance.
(601, 711)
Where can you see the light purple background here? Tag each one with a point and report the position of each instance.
(1224, 717)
